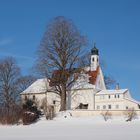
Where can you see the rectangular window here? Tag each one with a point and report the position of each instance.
(126, 107)
(54, 102)
(109, 106)
(102, 96)
(104, 106)
(115, 95)
(98, 107)
(118, 96)
(117, 106)
(25, 97)
(109, 96)
(138, 106)
(33, 97)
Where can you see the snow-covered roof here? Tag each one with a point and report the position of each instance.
(39, 86)
(82, 85)
(133, 100)
(114, 91)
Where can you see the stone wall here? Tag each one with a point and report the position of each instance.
(90, 113)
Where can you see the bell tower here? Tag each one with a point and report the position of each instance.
(94, 61)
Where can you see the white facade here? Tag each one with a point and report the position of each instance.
(94, 62)
(94, 59)
(100, 84)
(115, 100)
(88, 92)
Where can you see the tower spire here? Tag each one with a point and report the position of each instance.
(94, 58)
(94, 50)
(94, 44)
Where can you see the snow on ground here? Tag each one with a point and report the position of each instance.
(93, 128)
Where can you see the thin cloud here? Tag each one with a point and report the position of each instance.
(4, 42)
(4, 54)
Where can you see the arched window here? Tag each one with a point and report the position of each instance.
(93, 59)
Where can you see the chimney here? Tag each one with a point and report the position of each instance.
(117, 86)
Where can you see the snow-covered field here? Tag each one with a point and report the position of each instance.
(74, 129)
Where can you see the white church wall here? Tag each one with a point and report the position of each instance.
(100, 84)
(84, 96)
(94, 62)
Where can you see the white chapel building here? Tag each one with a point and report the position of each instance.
(87, 93)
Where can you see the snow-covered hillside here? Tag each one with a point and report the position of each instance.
(74, 129)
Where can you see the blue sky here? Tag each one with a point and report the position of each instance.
(114, 24)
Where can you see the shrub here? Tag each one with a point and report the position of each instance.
(130, 114)
(10, 115)
(48, 110)
(30, 112)
(29, 117)
(106, 115)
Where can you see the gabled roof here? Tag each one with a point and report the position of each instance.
(133, 100)
(39, 86)
(82, 85)
(109, 92)
(42, 85)
(59, 76)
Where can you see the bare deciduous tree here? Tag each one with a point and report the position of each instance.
(109, 81)
(24, 82)
(10, 111)
(106, 115)
(59, 55)
(130, 114)
(9, 73)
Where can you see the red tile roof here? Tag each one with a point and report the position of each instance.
(93, 76)
(58, 76)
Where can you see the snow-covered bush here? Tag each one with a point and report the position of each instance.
(29, 117)
(30, 112)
